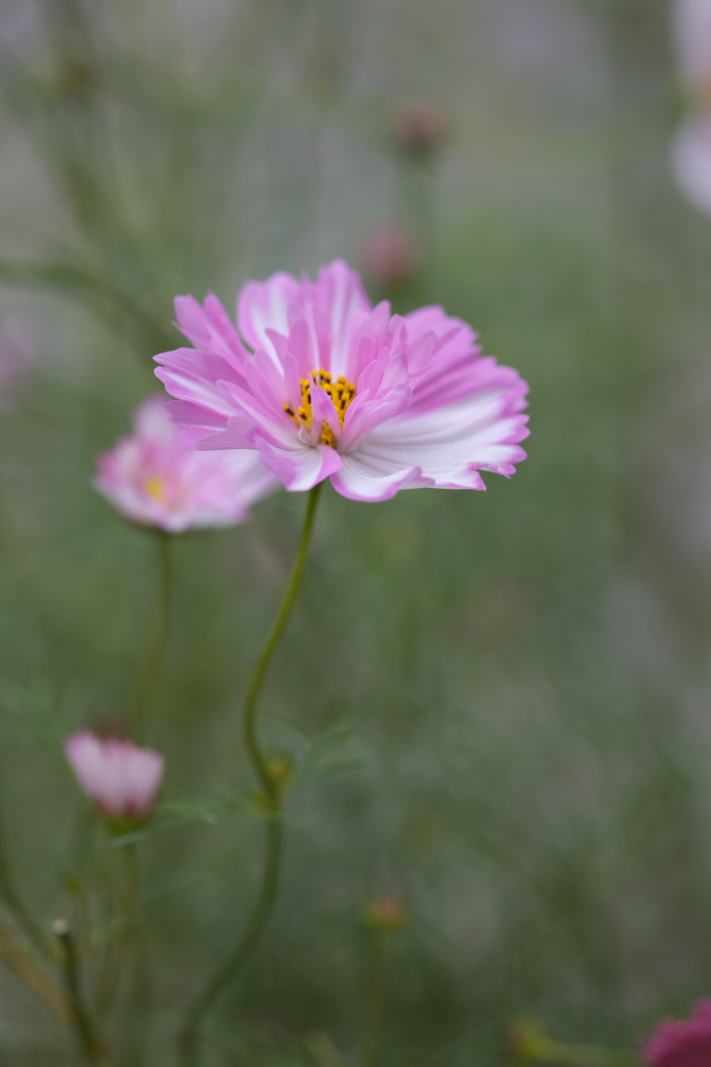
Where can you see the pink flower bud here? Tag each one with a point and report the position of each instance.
(121, 778)
(386, 913)
(390, 255)
(419, 128)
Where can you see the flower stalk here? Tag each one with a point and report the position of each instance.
(272, 798)
(157, 641)
(88, 1040)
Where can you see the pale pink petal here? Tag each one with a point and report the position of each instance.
(299, 467)
(692, 161)
(209, 327)
(264, 306)
(152, 420)
(371, 480)
(340, 295)
(692, 25)
(450, 443)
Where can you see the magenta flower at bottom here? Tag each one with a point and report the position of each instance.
(322, 385)
(154, 481)
(683, 1042)
(121, 778)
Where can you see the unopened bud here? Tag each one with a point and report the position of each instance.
(386, 913)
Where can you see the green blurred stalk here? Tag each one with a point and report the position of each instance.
(156, 644)
(272, 784)
(105, 298)
(90, 1045)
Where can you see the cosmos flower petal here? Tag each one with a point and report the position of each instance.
(208, 326)
(299, 467)
(478, 433)
(264, 307)
(370, 479)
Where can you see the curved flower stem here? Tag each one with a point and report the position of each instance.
(157, 640)
(88, 1040)
(272, 799)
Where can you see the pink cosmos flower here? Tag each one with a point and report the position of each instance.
(121, 778)
(322, 385)
(682, 1043)
(691, 153)
(154, 481)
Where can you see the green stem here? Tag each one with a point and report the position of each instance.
(118, 949)
(560, 1055)
(16, 907)
(157, 641)
(323, 1051)
(232, 965)
(85, 282)
(377, 1000)
(87, 1038)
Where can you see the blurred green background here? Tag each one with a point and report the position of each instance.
(498, 703)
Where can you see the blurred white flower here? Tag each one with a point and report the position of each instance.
(691, 160)
(691, 151)
(692, 26)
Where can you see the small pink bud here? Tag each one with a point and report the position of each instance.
(419, 128)
(121, 778)
(390, 255)
(386, 913)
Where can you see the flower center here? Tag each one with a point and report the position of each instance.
(341, 393)
(154, 487)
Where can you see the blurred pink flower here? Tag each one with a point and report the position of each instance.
(419, 127)
(691, 153)
(390, 255)
(692, 26)
(691, 160)
(154, 481)
(18, 351)
(121, 778)
(682, 1043)
(333, 388)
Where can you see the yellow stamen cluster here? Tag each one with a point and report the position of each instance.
(155, 488)
(341, 393)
